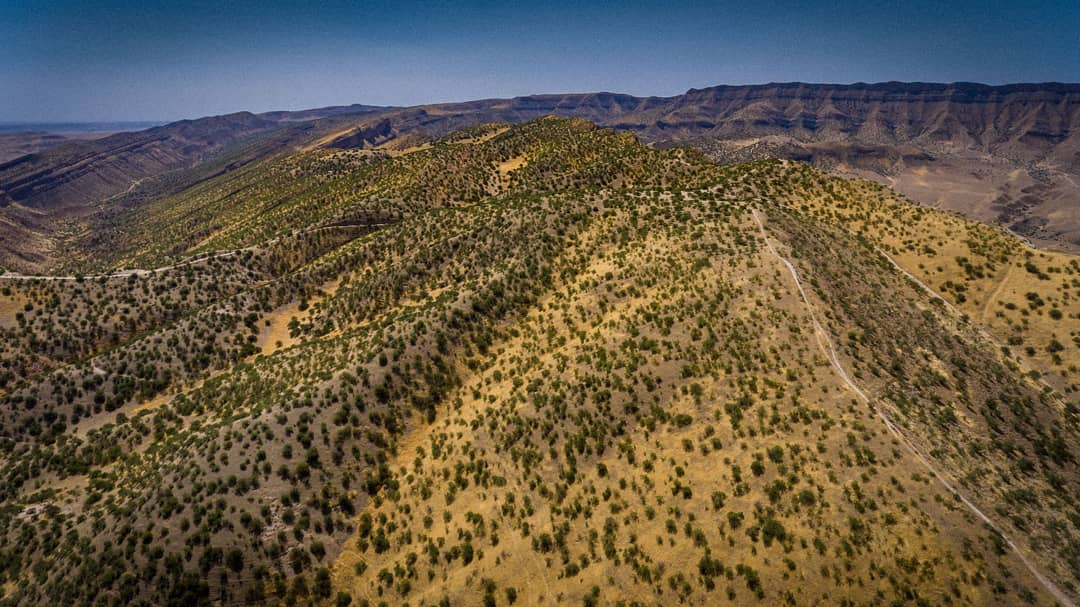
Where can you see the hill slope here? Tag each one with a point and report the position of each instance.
(539, 363)
(56, 194)
(1007, 154)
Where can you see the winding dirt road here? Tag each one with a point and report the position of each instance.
(190, 262)
(825, 342)
(122, 273)
(1026, 366)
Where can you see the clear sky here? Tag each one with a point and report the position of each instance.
(165, 60)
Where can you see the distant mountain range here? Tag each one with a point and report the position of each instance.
(1009, 154)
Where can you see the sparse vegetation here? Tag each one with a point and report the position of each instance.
(583, 380)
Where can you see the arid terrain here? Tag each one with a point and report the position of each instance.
(368, 356)
(1003, 154)
(14, 145)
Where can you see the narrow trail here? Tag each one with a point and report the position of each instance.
(123, 273)
(990, 299)
(825, 342)
(1070, 179)
(189, 262)
(130, 189)
(978, 326)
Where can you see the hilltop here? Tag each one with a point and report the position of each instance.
(999, 154)
(538, 363)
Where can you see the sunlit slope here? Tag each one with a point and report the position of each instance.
(596, 381)
(1027, 299)
(334, 187)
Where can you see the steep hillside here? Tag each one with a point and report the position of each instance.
(49, 199)
(1023, 298)
(330, 187)
(539, 364)
(76, 174)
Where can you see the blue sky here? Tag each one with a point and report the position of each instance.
(151, 60)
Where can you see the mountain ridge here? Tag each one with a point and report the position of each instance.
(999, 153)
(545, 363)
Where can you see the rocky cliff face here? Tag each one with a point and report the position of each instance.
(1027, 121)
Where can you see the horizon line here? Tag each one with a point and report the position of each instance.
(166, 121)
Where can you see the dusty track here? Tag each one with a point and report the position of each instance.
(825, 342)
(190, 262)
(981, 330)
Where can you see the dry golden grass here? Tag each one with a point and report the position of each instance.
(10, 306)
(275, 333)
(506, 167)
(914, 518)
(1028, 299)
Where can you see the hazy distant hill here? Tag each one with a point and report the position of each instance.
(69, 186)
(86, 172)
(14, 144)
